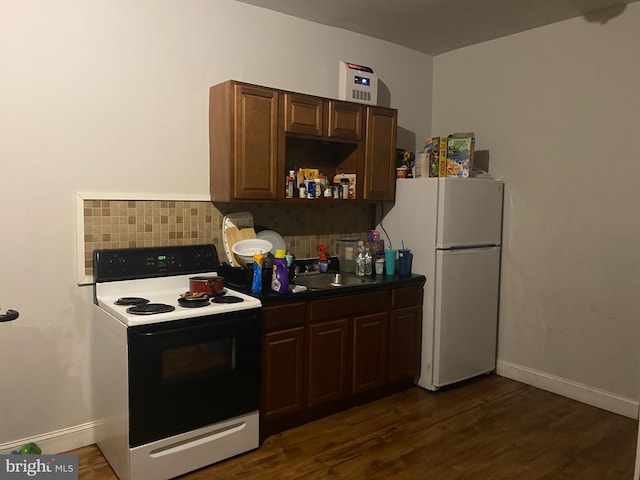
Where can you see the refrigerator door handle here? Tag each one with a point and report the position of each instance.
(9, 316)
(478, 248)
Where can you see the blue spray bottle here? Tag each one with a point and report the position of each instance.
(256, 286)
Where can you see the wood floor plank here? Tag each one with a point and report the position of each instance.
(488, 429)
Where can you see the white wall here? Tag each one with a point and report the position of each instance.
(112, 96)
(636, 472)
(558, 108)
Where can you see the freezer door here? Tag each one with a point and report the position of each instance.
(412, 221)
(469, 212)
(466, 313)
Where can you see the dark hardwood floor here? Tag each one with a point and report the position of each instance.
(488, 429)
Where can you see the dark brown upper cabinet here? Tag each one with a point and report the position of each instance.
(379, 157)
(258, 134)
(243, 143)
(320, 117)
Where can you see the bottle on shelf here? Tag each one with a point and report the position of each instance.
(289, 187)
(345, 189)
(311, 189)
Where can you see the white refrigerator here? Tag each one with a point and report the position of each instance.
(453, 227)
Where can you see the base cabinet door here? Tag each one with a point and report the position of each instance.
(369, 352)
(405, 338)
(282, 373)
(328, 350)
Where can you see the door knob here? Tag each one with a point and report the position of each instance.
(10, 315)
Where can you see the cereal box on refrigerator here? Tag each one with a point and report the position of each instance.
(421, 166)
(458, 167)
(441, 146)
(432, 167)
(436, 149)
(460, 150)
(432, 148)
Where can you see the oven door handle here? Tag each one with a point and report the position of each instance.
(9, 316)
(235, 323)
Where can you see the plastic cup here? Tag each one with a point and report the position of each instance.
(404, 262)
(380, 266)
(390, 261)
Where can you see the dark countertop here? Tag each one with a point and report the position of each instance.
(383, 282)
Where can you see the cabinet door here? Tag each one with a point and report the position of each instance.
(255, 159)
(405, 341)
(282, 372)
(380, 148)
(303, 114)
(328, 361)
(345, 120)
(369, 352)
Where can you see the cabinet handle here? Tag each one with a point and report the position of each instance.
(10, 315)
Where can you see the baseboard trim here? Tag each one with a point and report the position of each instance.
(58, 441)
(567, 388)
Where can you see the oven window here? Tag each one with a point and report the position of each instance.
(199, 360)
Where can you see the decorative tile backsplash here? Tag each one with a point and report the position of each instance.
(148, 223)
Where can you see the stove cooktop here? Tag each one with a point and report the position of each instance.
(167, 291)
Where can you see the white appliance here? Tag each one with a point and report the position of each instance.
(357, 83)
(176, 384)
(453, 227)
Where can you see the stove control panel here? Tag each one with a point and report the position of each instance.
(163, 261)
(148, 262)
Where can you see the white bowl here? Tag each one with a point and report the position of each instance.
(244, 249)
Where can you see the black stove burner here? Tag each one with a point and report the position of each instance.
(227, 299)
(194, 302)
(150, 308)
(131, 301)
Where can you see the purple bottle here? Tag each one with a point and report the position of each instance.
(280, 277)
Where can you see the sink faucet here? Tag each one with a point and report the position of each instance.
(313, 267)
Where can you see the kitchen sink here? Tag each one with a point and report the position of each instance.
(329, 281)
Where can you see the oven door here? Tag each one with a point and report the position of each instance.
(191, 373)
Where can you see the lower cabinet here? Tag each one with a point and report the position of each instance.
(283, 361)
(322, 356)
(404, 355)
(328, 354)
(283, 372)
(405, 333)
(369, 352)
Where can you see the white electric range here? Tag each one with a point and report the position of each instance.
(176, 387)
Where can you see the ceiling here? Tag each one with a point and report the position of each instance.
(438, 26)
